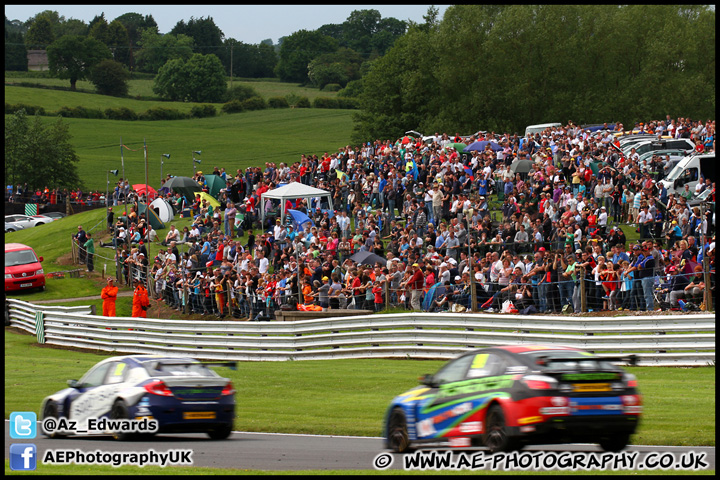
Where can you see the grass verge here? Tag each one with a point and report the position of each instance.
(349, 397)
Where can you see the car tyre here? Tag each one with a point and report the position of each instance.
(119, 411)
(221, 433)
(497, 438)
(615, 442)
(51, 411)
(397, 434)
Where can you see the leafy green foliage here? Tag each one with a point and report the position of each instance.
(233, 106)
(240, 93)
(158, 49)
(29, 109)
(120, 113)
(161, 113)
(298, 50)
(199, 79)
(254, 103)
(39, 34)
(502, 67)
(80, 112)
(39, 153)
(15, 52)
(73, 57)
(278, 102)
(110, 78)
(202, 111)
(323, 102)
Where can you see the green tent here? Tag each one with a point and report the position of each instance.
(214, 183)
(155, 221)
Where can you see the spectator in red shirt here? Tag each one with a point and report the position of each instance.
(416, 283)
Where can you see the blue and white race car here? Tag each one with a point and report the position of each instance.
(182, 395)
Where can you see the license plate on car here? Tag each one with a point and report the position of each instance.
(23, 285)
(591, 387)
(198, 415)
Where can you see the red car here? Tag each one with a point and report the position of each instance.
(22, 268)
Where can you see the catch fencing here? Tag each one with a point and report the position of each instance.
(665, 340)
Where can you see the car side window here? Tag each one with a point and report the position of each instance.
(453, 371)
(486, 365)
(95, 377)
(117, 373)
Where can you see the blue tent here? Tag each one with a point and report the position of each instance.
(480, 146)
(299, 219)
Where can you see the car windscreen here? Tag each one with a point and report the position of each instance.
(591, 363)
(20, 257)
(177, 369)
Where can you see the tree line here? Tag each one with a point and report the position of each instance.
(336, 51)
(503, 67)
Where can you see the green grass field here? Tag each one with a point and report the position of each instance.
(349, 397)
(142, 88)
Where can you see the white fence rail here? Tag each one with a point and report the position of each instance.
(679, 340)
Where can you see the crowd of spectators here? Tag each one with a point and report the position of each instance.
(450, 226)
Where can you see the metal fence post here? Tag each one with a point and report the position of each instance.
(583, 293)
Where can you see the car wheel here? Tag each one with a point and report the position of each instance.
(120, 411)
(496, 438)
(397, 434)
(615, 443)
(51, 411)
(221, 433)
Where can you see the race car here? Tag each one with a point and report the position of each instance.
(507, 397)
(181, 394)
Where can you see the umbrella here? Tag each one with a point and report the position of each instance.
(214, 183)
(480, 146)
(457, 146)
(299, 219)
(206, 196)
(406, 140)
(364, 257)
(140, 189)
(521, 166)
(183, 185)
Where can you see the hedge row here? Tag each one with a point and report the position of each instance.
(197, 111)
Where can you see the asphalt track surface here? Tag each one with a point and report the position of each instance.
(272, 451)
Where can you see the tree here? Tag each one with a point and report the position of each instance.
(207, 37)
(73, 57)
(39, 153)
(158, 49)
(337, 67)
(199, 79)
(15, 52)
(135, 23)
(110, 78)
(39, 34)
(298, 50)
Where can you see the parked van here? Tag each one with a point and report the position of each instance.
(533, 129)
(650, 145)
(22, 268)
(688, 171)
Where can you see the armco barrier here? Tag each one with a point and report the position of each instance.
(664, 340)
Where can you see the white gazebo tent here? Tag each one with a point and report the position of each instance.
(292, 191)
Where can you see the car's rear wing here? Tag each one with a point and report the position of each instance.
(162, 363)
(545, 360)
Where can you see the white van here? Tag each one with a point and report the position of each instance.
(688, 171)
(533, 129)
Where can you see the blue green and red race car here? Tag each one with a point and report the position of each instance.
(507, 397)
